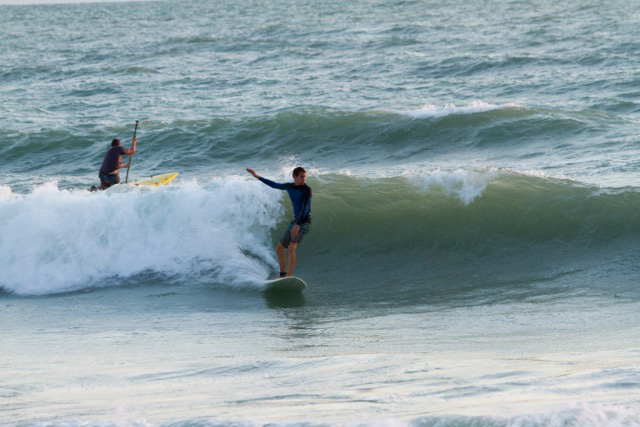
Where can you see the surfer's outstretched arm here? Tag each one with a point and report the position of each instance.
(267, 181)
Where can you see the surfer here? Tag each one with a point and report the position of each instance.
(110, 169)
(300, 195)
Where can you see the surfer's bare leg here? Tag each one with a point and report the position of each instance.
(282, 260)
(292, 258)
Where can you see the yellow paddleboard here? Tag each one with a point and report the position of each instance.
(157, 180)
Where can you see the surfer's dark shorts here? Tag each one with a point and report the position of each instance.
(286, 237)
(109, 180)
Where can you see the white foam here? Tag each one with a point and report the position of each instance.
(54, 240)
(580, 414)
(466, 185)
(434, 111)
(5, 193)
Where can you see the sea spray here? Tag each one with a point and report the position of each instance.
(466, 185)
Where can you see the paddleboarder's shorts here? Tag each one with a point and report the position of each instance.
(109, 180)
(286, 237)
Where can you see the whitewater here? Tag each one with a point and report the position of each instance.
(473, 255)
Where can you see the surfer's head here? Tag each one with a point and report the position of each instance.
(115, 142)
(299, 175)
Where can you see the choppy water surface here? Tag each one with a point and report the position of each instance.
(473, 254)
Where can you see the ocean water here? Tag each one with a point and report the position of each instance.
(473, 259)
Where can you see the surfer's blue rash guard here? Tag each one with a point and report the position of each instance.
(300, 196)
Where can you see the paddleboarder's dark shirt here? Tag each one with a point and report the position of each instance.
(300, 196)
(112, 160)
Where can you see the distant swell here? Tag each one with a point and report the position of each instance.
(318, 136)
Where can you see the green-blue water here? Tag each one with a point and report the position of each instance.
(473, 258)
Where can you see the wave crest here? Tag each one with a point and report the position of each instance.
(403, 226)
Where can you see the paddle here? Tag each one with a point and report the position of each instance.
(131, 155)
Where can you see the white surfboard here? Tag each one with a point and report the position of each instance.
(290, 283)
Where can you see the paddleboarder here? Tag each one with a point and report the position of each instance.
(300, 195)
(112, 162)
